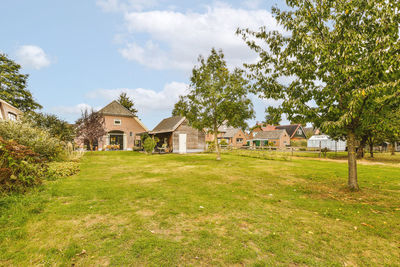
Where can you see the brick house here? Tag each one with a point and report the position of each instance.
(295, 131)
(277, 138)
(9, 112)
(177, 136)
(233, 136)
(122, 127)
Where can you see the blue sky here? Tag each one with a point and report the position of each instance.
(84, 53)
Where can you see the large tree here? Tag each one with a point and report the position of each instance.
(127, 102)
(13, 86)
(216, 96)
(55, 126)
(344, 61)
(90, 126)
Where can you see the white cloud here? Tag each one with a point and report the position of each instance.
(146, 100)
(76, 110)
(32, 56)
(125, 6)
(175, 39)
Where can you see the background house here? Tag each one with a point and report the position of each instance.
(122, 127)
(295, 131)
(278, 138)
(233, 136)
(9, 112)
(179, 136)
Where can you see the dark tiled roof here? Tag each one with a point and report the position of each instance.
(276, 134)
(168, 125)
(290, 129)
(116, 109)
(230, 132)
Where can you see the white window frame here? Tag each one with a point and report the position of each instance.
(117, 120)
(12, 116)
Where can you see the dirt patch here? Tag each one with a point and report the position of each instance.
(145, 213)
(92, 220)
(362, 162)
(102, 261)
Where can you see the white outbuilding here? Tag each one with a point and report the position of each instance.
(324, 141)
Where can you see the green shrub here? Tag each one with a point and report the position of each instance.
(20, 167)
(302, 143)
(149, 145)
(223, 142)
(40, 141)
(62, 169)
(210, 146)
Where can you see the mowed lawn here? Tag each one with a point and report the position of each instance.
(130, 209)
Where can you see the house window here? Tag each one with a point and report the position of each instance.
(130, 133)
(117, 122)
(12, 116)
(239, 140)
(299, 132)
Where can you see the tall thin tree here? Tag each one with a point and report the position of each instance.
(216, 96)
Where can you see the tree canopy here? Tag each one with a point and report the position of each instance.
(55, 126)
(216, 96)
(90, 126)
(127, 102)
(344, 61)
(13, 86)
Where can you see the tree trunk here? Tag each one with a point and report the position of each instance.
(217, 148)
(91, 145)
(352, 161)
(393, 148)
(360, 150)
(371, 150)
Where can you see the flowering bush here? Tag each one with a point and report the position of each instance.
(20, 167)
(113, 147)
(38, 140)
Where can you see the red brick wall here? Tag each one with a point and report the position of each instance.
(239, 134)
(128, 125)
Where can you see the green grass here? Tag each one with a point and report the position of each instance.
(126, 208)
(383, 157)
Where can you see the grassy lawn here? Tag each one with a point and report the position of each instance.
(383, 157)
(126, 208)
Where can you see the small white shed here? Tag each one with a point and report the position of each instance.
(324, 141)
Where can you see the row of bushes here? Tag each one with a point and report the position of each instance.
(40, 141)
(20, 167)
(29, 154)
